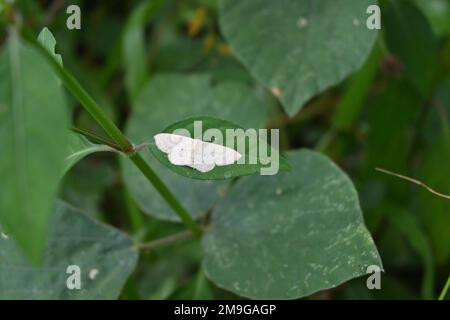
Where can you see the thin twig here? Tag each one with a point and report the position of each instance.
(417, 182)
(165, 241)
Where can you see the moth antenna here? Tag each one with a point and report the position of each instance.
(415, 181)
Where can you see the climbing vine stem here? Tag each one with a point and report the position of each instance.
(115, 133)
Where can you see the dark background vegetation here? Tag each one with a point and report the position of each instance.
(393, 114)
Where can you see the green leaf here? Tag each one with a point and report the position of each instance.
(90, 81)
(84, 187)
(167, 99)
(79, 148)
(408, 225)
(352, 101)
(33, 136)
(47, 39)
(169, 59)
(290, 235)
(438, 122)
(411, 39)
(390, 118)
(105, 256)
(134, 50)
(298, 48)
(254, 162)
(438, 13)
(434, 210)
(161, 279)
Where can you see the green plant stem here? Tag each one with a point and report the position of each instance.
(445, 289)
(165, 193)
(114, 132)
(83, 97)
(165, 241)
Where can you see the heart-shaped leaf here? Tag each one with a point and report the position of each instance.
(105, 258)
(290, 235)
(253, 161)
(298, 48)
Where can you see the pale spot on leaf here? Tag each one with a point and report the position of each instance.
(93, 273)
(276, 91)
(302, 22)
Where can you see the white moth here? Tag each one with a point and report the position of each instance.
(197, 154)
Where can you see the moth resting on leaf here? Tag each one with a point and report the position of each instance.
(197, 154)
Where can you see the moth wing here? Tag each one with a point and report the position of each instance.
(166, 141)
(197, 154)
(203, 156)
(182, 153)
(208, 152)
(225, 156)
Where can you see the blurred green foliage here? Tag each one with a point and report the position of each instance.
(393, 113)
